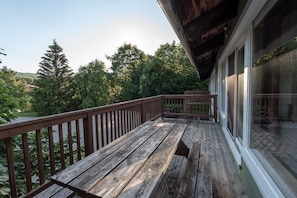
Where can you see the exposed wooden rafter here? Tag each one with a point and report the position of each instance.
(209, 20)
(200, 25)
(209, 45)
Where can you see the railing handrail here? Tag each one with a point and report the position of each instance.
(12, 129)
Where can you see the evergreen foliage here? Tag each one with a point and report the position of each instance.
(54, 92)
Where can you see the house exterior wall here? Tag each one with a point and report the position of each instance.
(256, 84)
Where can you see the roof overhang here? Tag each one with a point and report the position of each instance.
(203, 27)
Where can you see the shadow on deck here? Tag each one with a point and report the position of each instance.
(225, 177)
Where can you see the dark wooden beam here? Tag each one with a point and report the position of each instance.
(209, 20)
(209, 45)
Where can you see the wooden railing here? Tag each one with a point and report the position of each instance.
(268, 108)
(203, 106)
(52, 143)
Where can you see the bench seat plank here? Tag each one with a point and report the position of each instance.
(84, 182)
(204, 180)
(114, 182)
(147, 178)
(188, 182)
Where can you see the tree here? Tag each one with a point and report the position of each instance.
(169, 71)
(53, 93)
(13, 94)
(127, 65)
(91, 85)
(2, 53)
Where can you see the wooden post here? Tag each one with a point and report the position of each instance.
(88, 134)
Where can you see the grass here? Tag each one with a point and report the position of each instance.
(28, 113)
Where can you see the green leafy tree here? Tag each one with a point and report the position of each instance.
(54, 91)
(169, 71)
(13, 94)
(91, 85)
(126, 67)
(8, 103)
(2, 53)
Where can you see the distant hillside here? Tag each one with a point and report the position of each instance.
(26, 75)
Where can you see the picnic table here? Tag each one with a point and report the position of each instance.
(131, 166)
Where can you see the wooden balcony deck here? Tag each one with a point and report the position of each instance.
(80, 133)
(224, 172)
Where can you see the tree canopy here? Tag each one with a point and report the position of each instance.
(133, 74)
(12, 94)
(91, 85)
(169, 71)
(53, 93)
(126, 65)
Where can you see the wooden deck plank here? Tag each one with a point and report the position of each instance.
(87, 180)
(221, 183)
(73, 171)
(114, 182)
(225, 177)
(144, 182)
(231, 168)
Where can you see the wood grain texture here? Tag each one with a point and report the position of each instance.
(148, 177)
(50, 191)
(188, 183)
(115, 181)
(224, 176)
(79, 167)
(84, 182)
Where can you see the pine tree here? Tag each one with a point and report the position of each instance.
(53, 93)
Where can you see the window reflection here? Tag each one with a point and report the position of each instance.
(274, 127)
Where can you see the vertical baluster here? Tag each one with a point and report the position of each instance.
(102, 130)
(117, 123)
(11, 171)
(39, 156)
(133, 118)
(138, 115)
(111, 126)
(27, 162)
(107, 127)
(97, 131)
(78, 140)
(51, 150)
(61, 142)
(126, 121)
(129, 120)
(121, 122)
(70, 142)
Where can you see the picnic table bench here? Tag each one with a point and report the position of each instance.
(131, 166)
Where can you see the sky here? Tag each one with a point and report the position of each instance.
(85, 29)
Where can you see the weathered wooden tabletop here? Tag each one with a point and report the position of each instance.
(131, 166)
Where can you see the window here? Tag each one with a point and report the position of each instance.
(240, 93)
(274, 124)
(223, 89)
(230, 91)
